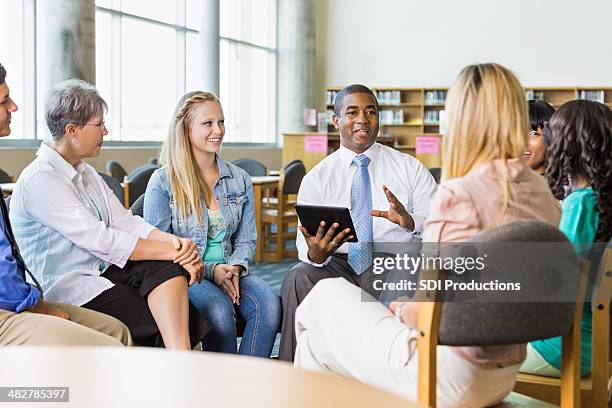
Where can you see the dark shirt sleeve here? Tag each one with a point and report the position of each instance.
(16, 294)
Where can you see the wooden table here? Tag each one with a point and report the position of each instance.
(7, 187)
(151, 378)
(260, 185)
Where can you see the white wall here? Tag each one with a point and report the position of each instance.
(424, 43)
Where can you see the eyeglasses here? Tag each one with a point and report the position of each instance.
(101, 125)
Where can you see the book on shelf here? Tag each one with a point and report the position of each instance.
(388, 97)
(330, 97)
(391, 117)
(592, 95)
(536, 95)
(432, 118)
(435, 97)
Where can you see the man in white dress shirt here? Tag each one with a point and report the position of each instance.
(388, 193)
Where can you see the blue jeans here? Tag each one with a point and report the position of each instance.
(259, 307)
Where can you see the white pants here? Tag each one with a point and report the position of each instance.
(339, 331)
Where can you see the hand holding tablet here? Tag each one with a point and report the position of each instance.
(325, 229)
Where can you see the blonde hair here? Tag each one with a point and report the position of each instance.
(186, 184)
(486, 119)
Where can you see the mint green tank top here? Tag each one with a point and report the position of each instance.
(579, 222)
(214, 241)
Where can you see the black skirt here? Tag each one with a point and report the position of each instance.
(127, 300)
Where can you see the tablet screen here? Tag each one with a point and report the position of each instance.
(312, 215)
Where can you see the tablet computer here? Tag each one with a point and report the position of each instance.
(312, 215)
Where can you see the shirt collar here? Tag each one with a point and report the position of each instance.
(51, 156)
(347, 155)
(224, 170)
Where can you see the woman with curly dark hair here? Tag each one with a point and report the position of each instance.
(579, 172)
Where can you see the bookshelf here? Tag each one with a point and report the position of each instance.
(558, 96)
(408, 113)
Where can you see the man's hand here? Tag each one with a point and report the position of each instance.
(321, 246)
(196, 271)
(187, 251)
(397, 212)
(43, 307)
(224, 277)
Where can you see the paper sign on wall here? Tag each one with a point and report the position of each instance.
(315, 144)
(427, 145)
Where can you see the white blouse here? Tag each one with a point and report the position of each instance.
(70, 227)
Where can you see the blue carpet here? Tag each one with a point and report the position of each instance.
(273, 272)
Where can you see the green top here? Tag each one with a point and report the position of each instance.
(214, 241)
(579, 221)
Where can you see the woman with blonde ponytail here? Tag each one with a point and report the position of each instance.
(195, 194)
(485, 184)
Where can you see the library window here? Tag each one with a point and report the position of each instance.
(248, 70)
(130, 77)
(142, 87)
(14, 56)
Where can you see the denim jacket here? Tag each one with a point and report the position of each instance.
(234, 194)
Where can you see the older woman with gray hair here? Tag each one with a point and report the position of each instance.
(87, 249)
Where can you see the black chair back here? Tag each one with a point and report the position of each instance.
(251, 166)
(114, 185)
(116, 170)
(291, 163)
(138, 180)
(436, 172)
(7, 201)
(481, 323)
(5, 177)
(293, 177)
(138, 207)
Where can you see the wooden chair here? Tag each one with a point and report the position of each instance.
(271, 200)
(594, 389)
(473, 323)
(283, 216)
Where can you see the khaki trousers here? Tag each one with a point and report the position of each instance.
(85, 328)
